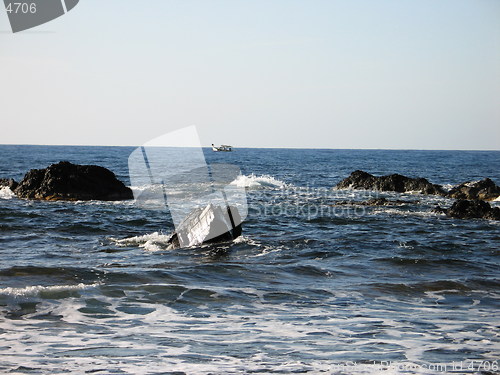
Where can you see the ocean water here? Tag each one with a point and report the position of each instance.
(311, 287)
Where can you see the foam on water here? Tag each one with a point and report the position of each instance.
(448, 187)
(394, 211)
(157, 241)
(151, 242)
(258, 182)
(471, 183)
(35, 290)
(6, 193)
(166, 338)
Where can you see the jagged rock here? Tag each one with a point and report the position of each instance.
(9, 182)
(67, 181)
(484, 190)
(210, 224)
(470, 209)
(394, 182)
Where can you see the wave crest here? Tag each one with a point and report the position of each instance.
(258, 182)
(6, 193)
(35, 290)
(151, 242)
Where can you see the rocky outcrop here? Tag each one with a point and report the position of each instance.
(394, 182)
(471, 209)
(67, 181)
(484, 190)
(8, 182)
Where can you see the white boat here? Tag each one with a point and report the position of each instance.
(225, 148)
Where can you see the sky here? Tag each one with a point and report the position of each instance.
(383, 74)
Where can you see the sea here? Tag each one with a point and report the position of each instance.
(317, 284)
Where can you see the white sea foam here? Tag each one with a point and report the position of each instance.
(258, 182)
(448, 187)
(326, 337)
(37, 289)
(140, 240)
(471, 183)
(151, 242)
(394, 211)
(157, 241)
(153, 191)
(246, 240)
(6, 193)
(98, 203)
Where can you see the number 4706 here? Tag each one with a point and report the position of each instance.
(21, 8)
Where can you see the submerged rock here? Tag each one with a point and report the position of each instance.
(484, 190)
(8, 182)
(394, 182)
(67, 181)
(210, 224)
(471, 209)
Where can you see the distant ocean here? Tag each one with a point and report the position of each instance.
(311, 287)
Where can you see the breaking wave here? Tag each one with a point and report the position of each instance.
(258, 182)
(6, 193)
(151, 242)
(35, 290)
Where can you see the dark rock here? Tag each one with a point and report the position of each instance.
(358, 180)
(471, 209)
(484, 190)
(208, 225)
(67, 181)
(394, 182)
(9, 182)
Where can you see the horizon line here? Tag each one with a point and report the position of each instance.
(268, 148)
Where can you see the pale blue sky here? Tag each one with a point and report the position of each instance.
(277, 73)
